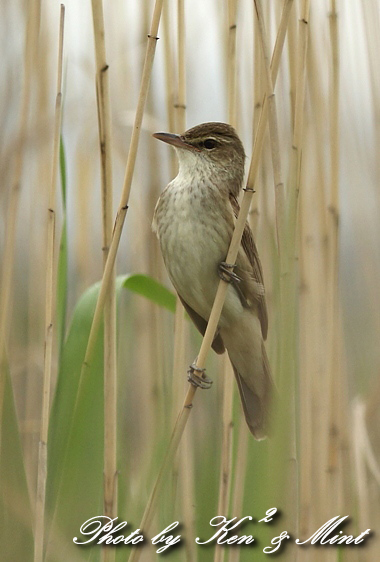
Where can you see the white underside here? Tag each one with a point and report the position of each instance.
(199, 249)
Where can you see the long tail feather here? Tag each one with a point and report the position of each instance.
(256, 408)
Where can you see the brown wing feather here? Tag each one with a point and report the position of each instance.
(201, 324)
(250, 251)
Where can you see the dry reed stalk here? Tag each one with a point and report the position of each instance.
(372, 23)
(258, 79)
(186, 461)
(14, 196)
(238, 489)
(169, 79)
(334, 465)
(317, 100)
(84, 180)
(50, 312)
(110, 370)
(180, 105)
(226, 457)
(315, 375)
(361, 475)
(228, 379)
(262, 117)
(258, 96)
(179, 118)
(232, 63)
(274, 65)
(292, 61)
(218, 302)
(275, 144)
(187, 480)
(123, 205)
(288, 295)
(309, 264)
(295, 166)
(286, 285)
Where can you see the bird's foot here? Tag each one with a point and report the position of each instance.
(196, 376)
(226, 272)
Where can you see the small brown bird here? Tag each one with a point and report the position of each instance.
(194, 221)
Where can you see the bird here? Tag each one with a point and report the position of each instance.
(194, 220)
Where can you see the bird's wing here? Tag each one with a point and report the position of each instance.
(252, 286)
(201, 324)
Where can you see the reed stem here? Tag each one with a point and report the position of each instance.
(50, 312)
(110, 371)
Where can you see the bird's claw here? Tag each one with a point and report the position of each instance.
(226, 273)
(196, 376)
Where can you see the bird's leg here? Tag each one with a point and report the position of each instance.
(196, 376)
(226, 272)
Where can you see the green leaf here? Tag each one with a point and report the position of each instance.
(150, 288)
(16, 525)
(75, 458)
(75, 451)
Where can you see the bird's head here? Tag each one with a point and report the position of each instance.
(209, 149)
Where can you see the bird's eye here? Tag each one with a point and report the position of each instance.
(209, 144)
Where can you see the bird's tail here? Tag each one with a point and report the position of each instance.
(256, 398)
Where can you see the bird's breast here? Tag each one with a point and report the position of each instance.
(194, 226)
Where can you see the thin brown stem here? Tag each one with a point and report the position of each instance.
(49, 312)
(287, 288)
(334, 482)
(123, 205)
(226, 460)
(110, 372)
(228, 378)
(180, 106)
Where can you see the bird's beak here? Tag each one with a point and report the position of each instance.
(174, 140)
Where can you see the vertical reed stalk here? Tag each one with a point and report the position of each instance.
(110, 371)
(334, 461)
(123, 205)
(232, 63)
(180, 126)
(169, 78)
(285, 286)
(275, 143)
(258, 96)
(186, 461)
(188, 486)
(228, 378)
(180, 106)
(311, 273)
(226, 457)
(286, 247)
(290, 303)
(295, 180)
(313, 264)
(49, 312)
(239, 475)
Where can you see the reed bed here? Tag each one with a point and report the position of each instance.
(94, 345)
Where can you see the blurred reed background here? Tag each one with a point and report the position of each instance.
(322, 290)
